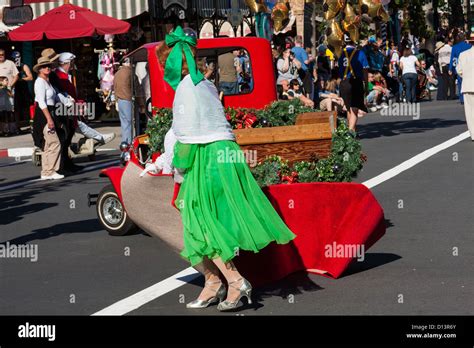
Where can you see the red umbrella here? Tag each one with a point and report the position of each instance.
(68, 22)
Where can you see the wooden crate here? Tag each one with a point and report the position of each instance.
(311, 136)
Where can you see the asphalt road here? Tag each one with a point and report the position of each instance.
(426, 257)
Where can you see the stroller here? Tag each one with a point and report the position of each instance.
(422, 90)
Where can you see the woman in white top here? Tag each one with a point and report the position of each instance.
(44, 127)
(408, 65)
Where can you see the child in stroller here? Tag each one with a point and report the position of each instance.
(422, 90)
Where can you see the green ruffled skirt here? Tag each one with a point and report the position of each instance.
(222, 207)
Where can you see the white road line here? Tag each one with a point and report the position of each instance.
(31, 181)
(105, 150)
(414, 161)
(172, 283)
(149, 294)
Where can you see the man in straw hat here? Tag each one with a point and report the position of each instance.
(449, 88)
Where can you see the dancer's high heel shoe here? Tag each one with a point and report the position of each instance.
(218, 297)
(245, 290)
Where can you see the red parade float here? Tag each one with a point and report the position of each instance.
(326, 217)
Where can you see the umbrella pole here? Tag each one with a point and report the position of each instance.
(73, 68)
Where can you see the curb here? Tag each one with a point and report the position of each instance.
(17, 152)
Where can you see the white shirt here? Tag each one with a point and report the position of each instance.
(143, 78)
(431, 72)
(409, 64)
(444, 55)
(198, 114)
(289, 75)
(395, 57)
(9, 70)
(45, 94)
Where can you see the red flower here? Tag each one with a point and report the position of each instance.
(249, 120)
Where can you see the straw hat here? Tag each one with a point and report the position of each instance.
(50, 54)
(42, 61)
(439, 45)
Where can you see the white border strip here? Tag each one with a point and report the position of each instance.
(414, 161)
(149, 294)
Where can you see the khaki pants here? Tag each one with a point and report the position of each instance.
(51, 155)
(469, 111)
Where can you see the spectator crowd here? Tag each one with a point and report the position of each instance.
(370, 75)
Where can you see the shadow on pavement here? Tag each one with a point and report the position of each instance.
(14, 164)
(292, 285)
(371, 260)
(11, 215)
(14, 205)
(389, 129)
(83, 226)
(388, 223)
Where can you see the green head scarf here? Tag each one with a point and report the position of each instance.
(174, 64)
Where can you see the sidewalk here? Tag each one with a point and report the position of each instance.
(22, 145)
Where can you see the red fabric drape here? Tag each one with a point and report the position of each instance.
(323, 216)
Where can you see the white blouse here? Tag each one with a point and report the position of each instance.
(198, 114)
(45, 94)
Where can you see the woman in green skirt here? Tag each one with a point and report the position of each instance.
(222, 208)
